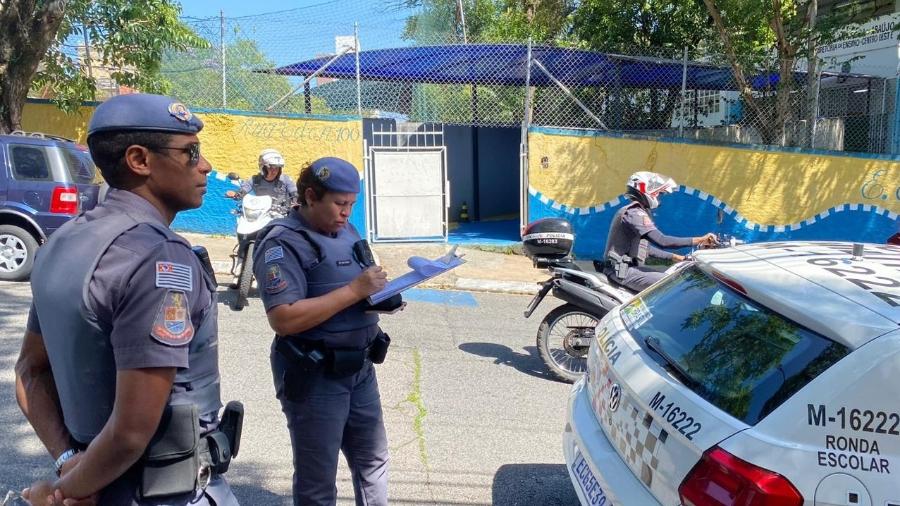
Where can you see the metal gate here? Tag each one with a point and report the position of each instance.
(407, 192)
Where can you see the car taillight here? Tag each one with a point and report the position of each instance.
(720, 478)
(64, 201)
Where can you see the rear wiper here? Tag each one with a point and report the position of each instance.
(670, 363)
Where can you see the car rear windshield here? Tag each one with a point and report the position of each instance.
(741, 357)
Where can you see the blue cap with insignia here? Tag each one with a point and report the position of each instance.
(145, 112)
(336, 175)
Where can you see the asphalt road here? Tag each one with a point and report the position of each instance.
(472, 415)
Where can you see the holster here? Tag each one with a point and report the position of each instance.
(171, 462)
(619, 264)
(379, 348)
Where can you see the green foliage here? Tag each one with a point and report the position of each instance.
(127, 36)
(196, 78)
(626, 25)
(439, 21)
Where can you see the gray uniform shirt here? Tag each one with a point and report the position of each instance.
(281, 190)
(124, 292)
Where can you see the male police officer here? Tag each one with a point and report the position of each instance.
(270, 181)
(121, 343)
(632, 230)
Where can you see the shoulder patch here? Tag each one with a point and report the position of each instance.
(274, 279)
(274, 253)
(647, 221)
(174, 276)
(173, 326)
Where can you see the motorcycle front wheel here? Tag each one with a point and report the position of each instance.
(563, 340)
(245, 279)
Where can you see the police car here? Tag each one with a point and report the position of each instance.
(762, 374)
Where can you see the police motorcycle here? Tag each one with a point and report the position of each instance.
(253, 213)
(564, 336)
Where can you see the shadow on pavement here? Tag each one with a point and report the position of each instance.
(529, 363)
(521, 484)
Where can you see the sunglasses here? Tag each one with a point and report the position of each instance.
(193, 151)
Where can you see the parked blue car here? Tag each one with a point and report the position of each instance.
(44, 182)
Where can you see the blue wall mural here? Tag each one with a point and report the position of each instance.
(215, 215)
(689, 212)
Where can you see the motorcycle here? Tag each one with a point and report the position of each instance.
(253, 213)
(565, 334)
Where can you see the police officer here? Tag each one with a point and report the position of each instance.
(632, 230)
(119, 364)
(313, 285)
(269, 181)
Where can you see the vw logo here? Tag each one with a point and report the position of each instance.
(615, 397)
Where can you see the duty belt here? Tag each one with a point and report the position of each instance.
(315, 355)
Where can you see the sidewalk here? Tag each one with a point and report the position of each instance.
(484, 271)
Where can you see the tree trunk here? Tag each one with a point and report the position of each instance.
(28, 31)
(741, 82)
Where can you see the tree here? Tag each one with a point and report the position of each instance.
(645, 27)
(128, 36)
(768, 37)
(441, 21)
(196, 79)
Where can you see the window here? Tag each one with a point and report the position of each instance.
(79, 165)
(739, 356)
(30, 163)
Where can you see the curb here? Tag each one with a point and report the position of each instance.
(463, 284)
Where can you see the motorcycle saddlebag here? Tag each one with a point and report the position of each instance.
(549, 238)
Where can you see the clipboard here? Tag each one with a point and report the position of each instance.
(423, 269)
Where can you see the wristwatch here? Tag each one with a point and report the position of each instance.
(66, 455)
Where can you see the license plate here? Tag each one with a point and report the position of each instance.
(588, 483)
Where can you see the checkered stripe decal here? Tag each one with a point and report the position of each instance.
(638, 438)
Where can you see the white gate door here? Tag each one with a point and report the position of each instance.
(408, 194)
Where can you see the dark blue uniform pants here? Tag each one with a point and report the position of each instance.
(338, 413)
(638, 278)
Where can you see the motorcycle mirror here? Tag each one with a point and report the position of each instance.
(233, 176)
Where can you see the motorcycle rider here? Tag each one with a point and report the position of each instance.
(633, 230)
(270, 181)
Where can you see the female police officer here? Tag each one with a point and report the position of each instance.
(122, 338)
(313, 283)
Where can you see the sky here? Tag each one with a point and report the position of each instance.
(232, 8)
(293, 30)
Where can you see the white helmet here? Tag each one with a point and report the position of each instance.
(270, 157)
(646, 187)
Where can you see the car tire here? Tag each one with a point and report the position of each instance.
(17, 250)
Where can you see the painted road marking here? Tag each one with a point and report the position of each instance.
(443, 297)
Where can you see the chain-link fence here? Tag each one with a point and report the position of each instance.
(249, 65)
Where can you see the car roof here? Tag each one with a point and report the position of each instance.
(819, 285)
(37, 139)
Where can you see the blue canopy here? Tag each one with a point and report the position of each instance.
(504, 64)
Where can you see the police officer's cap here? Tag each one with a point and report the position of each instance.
(336, 175)
(144, 112)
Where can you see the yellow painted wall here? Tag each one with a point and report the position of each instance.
(46, 118)
(232, 142)
(767, 187)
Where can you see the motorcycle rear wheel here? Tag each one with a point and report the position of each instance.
(245, 279)
(563, 340)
